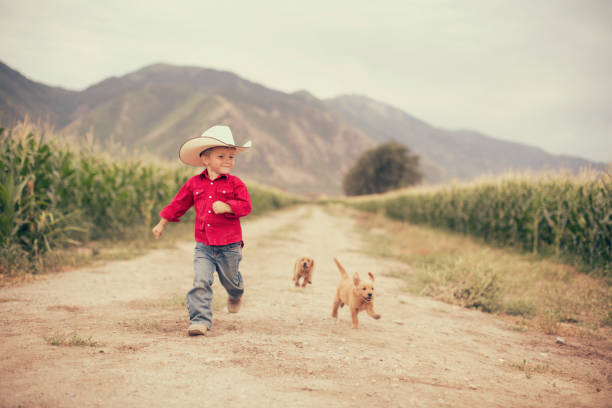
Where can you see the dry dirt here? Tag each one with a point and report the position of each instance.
(283, 348)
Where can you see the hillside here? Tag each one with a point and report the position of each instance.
(301, 144)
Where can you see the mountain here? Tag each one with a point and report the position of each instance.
(446, 154)
(301, 144)
(20, 96)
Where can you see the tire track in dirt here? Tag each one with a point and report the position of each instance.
(283, 348)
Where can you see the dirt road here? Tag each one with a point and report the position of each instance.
(283, 349)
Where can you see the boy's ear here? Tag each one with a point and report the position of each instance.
(356, 279)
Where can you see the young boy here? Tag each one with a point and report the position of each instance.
(219, 199)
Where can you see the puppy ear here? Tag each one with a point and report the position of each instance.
(356, 279)
(371, 276)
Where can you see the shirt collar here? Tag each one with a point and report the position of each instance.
(205, 175)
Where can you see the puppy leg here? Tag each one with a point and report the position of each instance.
(337, 303)
(370, 310)
(296, 276)
(354, 318)
(310, 272)
(304, 281)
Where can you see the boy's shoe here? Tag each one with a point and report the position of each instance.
(233, 305)
(197, 329)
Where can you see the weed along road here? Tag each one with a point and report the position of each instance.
(115, 335)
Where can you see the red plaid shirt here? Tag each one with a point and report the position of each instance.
(201, 192)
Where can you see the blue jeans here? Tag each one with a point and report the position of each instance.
(208, 258)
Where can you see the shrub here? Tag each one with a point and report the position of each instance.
(387, 167)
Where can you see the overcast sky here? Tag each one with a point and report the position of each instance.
(535, 72)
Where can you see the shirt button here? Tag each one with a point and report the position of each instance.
(209, 211)
(211, 183)
(209, 196)
(208, 225)
(197, 192)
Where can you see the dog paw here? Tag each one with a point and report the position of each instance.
(377, 316)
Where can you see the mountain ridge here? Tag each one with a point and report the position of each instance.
(301, 143)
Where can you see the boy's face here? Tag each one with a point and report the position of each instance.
(219, 160)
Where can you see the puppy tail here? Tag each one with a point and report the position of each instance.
(342, 271)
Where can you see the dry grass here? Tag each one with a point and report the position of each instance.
(525, 289)
(73, 339)
(530, 369)
(177, 302)
(144, 325)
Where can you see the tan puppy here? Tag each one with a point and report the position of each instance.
(303, 269)
(356, 293)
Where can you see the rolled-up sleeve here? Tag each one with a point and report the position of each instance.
(241, 203)
(179, 205)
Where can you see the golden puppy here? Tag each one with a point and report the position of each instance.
(356, 293)
(303, 268)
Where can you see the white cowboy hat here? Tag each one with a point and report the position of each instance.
(219, 135)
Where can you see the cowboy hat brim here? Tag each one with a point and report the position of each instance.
(189, 152)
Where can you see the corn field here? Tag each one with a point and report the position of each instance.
(53, 196)
(569, 217)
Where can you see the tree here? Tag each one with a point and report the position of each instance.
(386, 167)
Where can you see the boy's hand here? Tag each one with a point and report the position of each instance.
(158, 230)
(219, 207)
